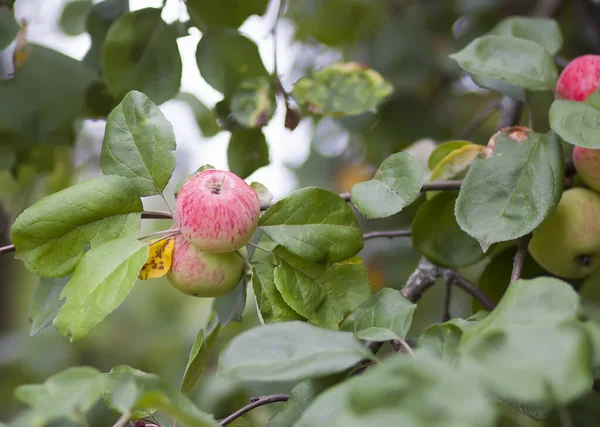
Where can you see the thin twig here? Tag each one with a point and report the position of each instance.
(260, 248)
(478, 120)
(7, 249)
(424, 276)
(387, 234)
(274, 33)
(156, 215)
(447, 298)
(401, 346)
(560, 61)
(519, 260)
(255, 403)
(164, 233)
(510, 112)
(122, 419)
(472, 289)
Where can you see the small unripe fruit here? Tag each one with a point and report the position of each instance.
(217, 211)
(567, 243)
(587, 164)
(204, 274)
(579, 79)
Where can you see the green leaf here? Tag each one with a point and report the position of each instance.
(50, 235)
(74, 16)
(443, 150)
(99, 20)
(509, 194)
(442, 339)
(315, 224)
(289, 351)
(140, 53)
(253, 103)
(516, 61)
(324, 295)
(396, 184)
(387, 315)
(205, 117)
(68, 394)
(271, 306)
(501, 86)
(514, 348)
(437, 236)
(8, 28)
(229, 307)
(264, 195)
(133, 390)
(423, 391)
(139, 144)
(342, 89)
(577, 123)
(198, 358)
(101, 281)
(543, 31)
(226, 58)
(247, 151)
(300, 397)
(590, 297)
(39, 120)
(223, 13)
(46, 303)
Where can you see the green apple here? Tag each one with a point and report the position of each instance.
(204, 274)
(567, 243)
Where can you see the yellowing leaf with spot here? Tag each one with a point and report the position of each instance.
(455, 165)
(159, 259)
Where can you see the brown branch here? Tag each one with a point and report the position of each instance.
(478, 120)
(156, 215)
(255, 402)
(387, 234)
(447, 299)
(7, 249)
(510, 112)
(424, 276)
(519, 260)
(472, 289)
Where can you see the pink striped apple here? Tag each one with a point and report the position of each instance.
(217, 211)
(577, 81)
(204, 274)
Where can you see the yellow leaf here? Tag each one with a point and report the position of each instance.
(159, 259)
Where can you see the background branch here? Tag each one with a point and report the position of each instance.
(255, 402)
(520, 256)
(387, 234)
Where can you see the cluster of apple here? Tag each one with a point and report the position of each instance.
(567, 244)
(217, 214)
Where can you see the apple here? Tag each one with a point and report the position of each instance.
(579, 79)
(204, 274)
(587, 164)
(567, 243)
(217, 211)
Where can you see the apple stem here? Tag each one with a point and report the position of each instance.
(165, 233)
(260, 247)
(168, 205)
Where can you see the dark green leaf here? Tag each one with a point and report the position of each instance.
(8, 28)
(423, 390)
(289, 351)
(396, 184)
(300, 397)
(39, 120)
(514, 349)
(140, 53)
(509, 194)
(577, 123)
(443, 150)
(223, 13)
(342, 89)
(324, 295)
(99, 20)
(68, 394)
(387, 315)
(198, 357)
(516, 61)
(101, 281)
(139, 144)
(226, 58)
(205, 117)
(46, 303)
(50, 236)
(229, 307)
(247, 151)
(315, 224)
(74, 16)
(253, 103)
(543, 31)
(437, 236)
(134, 390)
(442, 339)
(271, 306)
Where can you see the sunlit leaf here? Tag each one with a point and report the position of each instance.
(159, 259)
